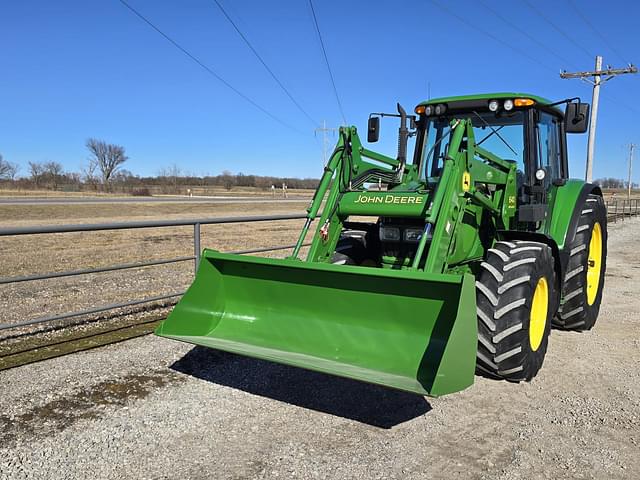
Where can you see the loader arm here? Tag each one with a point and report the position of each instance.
(464, 166)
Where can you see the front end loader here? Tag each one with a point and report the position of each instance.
(422, 272)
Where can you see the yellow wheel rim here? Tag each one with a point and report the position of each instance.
(539, 310)
(594, 265)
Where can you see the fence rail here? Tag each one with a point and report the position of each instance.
(616, 210)
(94, 227)
(621, 209)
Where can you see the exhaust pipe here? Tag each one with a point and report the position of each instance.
(403, 138)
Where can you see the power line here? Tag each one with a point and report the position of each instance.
(597, 81)
(593, 28)
(619, 102)
(517, 50)
(524, 32)
(490, 35)
(609, 72)
(556, 28)
(206, 68)
(326, 59)
(264, 64)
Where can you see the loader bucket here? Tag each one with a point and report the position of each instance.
(403, 329)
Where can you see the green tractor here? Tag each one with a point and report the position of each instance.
(423, 271)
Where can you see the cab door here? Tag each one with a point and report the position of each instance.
(549, 151)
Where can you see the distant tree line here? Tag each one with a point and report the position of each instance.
(104, 172)
(614, 183)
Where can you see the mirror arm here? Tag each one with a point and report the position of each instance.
(566, 100)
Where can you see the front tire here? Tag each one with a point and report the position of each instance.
(584, 278)
(516, 300)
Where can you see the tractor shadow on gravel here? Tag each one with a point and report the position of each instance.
(363, 402)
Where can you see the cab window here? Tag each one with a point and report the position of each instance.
(501, 134)
(548, 146)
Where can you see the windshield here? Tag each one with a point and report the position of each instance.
(501, 134)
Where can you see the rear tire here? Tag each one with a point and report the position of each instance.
(516, 300)
(584, 278)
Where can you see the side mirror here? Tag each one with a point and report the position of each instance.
(576, 117)
(373, 129)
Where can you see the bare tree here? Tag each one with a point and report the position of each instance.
(228, 179)
(53, 172)
(14, 168)
(170, 176)
(53, 168)
(8, 170)
(75, 178)
(89, 175)
(36, 170)
(108, 157)
(174, 173)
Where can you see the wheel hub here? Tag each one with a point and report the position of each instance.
(539, 310)
(594, 264)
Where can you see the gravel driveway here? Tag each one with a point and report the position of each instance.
(153, 408)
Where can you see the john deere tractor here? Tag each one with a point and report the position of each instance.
(423, 270)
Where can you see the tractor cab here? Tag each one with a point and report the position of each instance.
(524, 129)
(527, 130)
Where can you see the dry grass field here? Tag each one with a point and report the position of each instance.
(33, 254)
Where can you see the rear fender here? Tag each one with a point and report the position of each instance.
(565, 211)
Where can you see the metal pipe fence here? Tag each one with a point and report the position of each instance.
(621, 209)
(196, 223)
(616, 209)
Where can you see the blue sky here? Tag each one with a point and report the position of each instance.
(70, 70)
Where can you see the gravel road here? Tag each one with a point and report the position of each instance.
(151, 408)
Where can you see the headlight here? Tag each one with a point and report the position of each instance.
(440, 109)
(540, 174)
(412, 234)
(390, 234)
(493, 105)
(428, 110)
(508, 105)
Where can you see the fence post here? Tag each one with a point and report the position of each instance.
(196, 246)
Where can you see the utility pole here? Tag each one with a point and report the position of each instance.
(598, 80)
(325, 139)
(631, 147)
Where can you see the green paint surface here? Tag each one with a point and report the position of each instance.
(561, 205)
(406, 330)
